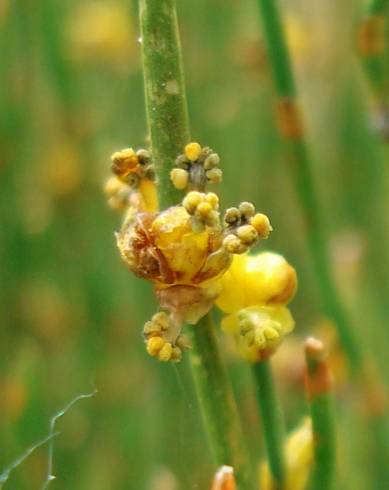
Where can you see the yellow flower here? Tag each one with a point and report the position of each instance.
(262, 279)
(258, 330)
(183, 264)
(299, 455)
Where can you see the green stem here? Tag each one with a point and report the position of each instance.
(217, 402)
(272, 421)
(323, 426)
(371, 45)
(169, 131)
(291, 130)
(166, 107)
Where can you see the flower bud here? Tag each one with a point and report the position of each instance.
(262, 279)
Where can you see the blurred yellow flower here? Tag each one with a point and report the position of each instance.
(298, 454)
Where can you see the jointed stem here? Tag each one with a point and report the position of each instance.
(291, 129)
(166, 106)
(371, 42)
(169, 131)
(318, 382)
(272, 422)
(217, 401)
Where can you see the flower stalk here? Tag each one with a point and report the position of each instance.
(371, 44)
(272, 419)
(168, 125)
(318, 386)
(291, 129)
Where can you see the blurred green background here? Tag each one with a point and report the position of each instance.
(71, 315)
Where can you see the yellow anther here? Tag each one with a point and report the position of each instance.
(165, 354)
(176, 354)
(247, 234)
(211, 161)
(154, 345)
(214, 175)
(192, 200)
(124, 161)
(179, 177)
(247, 209)
(233, 244)
(271, 333)
(161, 319)
(112, 186)
(212, 199)
(204, 209)
(262, 224)
(192, 151)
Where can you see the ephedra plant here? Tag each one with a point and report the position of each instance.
(197, 257)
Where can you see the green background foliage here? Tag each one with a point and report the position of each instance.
(71, 315)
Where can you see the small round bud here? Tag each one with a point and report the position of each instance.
(271, 333)
(162, 319)
(192, 151)
(247, 209)
(179, 177)
(233, 245)
(232, 216)
(176, 354)
(182, 162)
(215, 175)
(112, 186)
(154, 345)
(213, 199)
(183, 342)
(211, 161)
(191, 201)
(204, 209)
(262, 224)
(123, 161)
(152, 329)
(143, 156)
(247, 234)
(165, 354)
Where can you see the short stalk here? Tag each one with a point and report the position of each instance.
(318, 384)
(169, 132)
(272, 422)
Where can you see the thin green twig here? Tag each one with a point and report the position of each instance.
(318, 381)
(169, 132)
(272, 421)
(292, 131)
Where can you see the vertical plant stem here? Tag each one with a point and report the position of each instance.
(371, 42)
(291, 130)
(272, 421)
(318, 384)
(169, 131)
(217, 402)
(166, 107)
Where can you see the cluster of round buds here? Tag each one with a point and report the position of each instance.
(203, 208)
(259, 330)
(244, 227)
(133, 183)
(196, 167)
(162, 340)
(131, 167)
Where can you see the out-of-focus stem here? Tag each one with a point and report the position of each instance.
(291, 130)
(169, 131)
(318, 385)
(271, 421)
(371, 43)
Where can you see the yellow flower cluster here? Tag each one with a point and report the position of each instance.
(254, 292)
(188, 253)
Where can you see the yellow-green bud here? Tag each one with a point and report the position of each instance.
(179, 177)
(247, 234)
